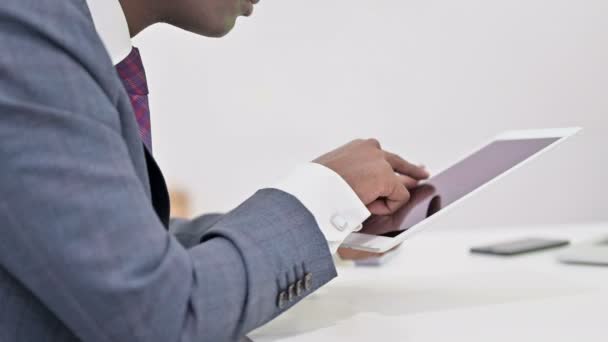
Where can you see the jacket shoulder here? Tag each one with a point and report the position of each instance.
(52, 53)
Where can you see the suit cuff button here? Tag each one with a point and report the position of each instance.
(291, 292)
(308, 281)
(300, 287)
(282, 300)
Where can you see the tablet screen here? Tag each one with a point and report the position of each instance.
(457, 181)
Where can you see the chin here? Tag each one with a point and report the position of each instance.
(208, 28)
(216, 32)
(217, 29)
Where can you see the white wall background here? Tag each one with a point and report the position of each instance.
(430, 79)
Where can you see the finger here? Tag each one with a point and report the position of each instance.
(374, 142)
(404, 167)
(409, 182)
(352, 254)
(378, 207)
(397, 197)
(390, 201)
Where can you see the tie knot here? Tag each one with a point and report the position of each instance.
(132, 73)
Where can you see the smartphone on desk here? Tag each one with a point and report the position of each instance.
(520, 246)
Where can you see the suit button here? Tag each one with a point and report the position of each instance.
(299, 287)
(308, 281)
(282, 300)
(339, 222)
(291, 292)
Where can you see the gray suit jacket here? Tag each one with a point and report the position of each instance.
(84, 249)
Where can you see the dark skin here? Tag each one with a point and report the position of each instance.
(379, 224)
(210, 18)
(382, 180)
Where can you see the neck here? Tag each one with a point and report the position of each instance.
(141, 14)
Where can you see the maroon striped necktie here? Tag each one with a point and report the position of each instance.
(133, 76)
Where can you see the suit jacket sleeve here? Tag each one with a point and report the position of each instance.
(190, 232)
(78, 229)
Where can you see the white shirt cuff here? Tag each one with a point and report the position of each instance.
(333, 203)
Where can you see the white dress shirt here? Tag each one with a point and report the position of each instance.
(334, 205)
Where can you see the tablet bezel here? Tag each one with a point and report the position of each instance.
(379, 244)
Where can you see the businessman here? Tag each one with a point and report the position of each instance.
(87, 249)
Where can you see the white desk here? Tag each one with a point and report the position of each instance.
(434, 290)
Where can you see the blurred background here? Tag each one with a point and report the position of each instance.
(430, 79)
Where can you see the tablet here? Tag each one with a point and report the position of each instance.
(446, 189)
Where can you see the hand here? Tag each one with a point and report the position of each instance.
(381, 179)
(354, 255)
(423, 203)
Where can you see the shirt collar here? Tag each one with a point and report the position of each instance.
(111, 25)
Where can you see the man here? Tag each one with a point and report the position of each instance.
(85, 253)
